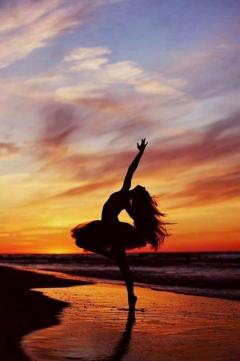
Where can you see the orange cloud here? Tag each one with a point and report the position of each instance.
(87, 188)
(218, 188)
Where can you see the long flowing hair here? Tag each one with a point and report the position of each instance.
(147, 217)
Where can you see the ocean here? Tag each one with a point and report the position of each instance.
(211, 274)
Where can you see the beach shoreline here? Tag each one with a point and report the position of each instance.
(157, 285)
(229, 294)
(23, 310)
(168, 326)
(41, 301)
(209, 274)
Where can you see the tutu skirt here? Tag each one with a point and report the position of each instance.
(106, 235)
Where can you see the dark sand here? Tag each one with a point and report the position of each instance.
(23, 310)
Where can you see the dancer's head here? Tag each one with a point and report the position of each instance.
(147, 217)
(138, 191)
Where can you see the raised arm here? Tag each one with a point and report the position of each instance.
(133, 166)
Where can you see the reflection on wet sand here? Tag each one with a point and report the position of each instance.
(93, 327)
(122, 346)
(168, 327)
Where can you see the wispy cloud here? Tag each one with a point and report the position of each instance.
(211, 189)
(8, 149)
(89, 187)
(210, 72)
(16, 14)
(28, 25)
(94, 72)
(59, 122)
(200, 189)
(88, 59)
(211, 143)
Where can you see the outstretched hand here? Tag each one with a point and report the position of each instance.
(142, 145)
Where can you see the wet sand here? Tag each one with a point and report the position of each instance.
(168, 327)
(23, 310)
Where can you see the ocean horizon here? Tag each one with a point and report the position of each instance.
(211, 274)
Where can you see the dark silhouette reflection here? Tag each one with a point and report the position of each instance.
(122, 346)
(111, 238)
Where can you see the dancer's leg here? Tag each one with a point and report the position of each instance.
(92, 247)
(121, 259)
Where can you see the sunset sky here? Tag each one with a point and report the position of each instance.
(83, 81)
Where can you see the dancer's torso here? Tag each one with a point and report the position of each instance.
(114, 205)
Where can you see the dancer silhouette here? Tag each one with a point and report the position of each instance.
(111, 237)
